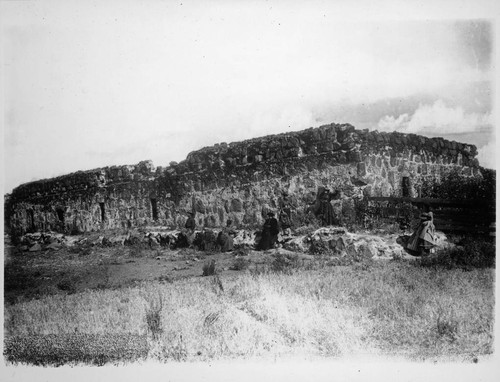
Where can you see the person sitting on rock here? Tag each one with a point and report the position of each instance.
(225, 238)
(270, 232)
(423, 239)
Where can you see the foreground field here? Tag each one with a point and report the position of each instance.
(389, 308)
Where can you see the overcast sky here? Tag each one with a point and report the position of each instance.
(90, 84)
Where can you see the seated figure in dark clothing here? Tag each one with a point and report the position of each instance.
(225, 238)
(423, 239)
(269, 233)
(187, 234)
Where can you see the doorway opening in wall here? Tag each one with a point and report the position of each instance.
(60, 214)
(154, 209)
(406, 186)
(31, 220)
(103, 212)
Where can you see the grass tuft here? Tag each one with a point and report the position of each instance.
(153, 317)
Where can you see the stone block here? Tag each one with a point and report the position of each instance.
(236, 205)
(361, 169)
(354, 156)
(35, 248)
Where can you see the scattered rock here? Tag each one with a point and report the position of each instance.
(53, 246)
(35, 248)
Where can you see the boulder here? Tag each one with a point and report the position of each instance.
(53, 246)
(35, 248)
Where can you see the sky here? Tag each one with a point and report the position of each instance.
(90, 84)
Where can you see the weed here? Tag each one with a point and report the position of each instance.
(284, 264)
(165, 279)
(68, 285)
(447, 328)
(240, 264)
(172, 347)
(217, 285)
(209, 268)
(136, 251)
(242, 251)
(211, 318)
(153, 317)
(105, 284)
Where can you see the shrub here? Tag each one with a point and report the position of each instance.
(217, 285)
(173, 348)
(153, 318)
(68, 285)
(240, 264)
(447, 328)
(284, 264)
(209, 268)
(242, 251)
(320, 247)
(165, 279)
(471, 253)
(136, 251)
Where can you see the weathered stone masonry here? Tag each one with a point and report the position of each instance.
(240, 180)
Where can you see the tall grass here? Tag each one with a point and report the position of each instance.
(389, 308)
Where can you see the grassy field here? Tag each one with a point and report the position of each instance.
(279, 310)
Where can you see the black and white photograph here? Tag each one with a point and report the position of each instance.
(249, 190)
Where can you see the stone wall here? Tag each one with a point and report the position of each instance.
(240, 180)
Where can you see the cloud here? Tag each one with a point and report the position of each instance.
(486, 155)
(434, 119)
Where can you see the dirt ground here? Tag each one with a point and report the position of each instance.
(72, 269)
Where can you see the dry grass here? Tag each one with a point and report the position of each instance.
(392, 308)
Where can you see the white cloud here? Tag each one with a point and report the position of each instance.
(486, 155)
(436, 119)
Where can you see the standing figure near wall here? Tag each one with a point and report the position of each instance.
(423, 239)
(189, 229)
(285, 214)
(269, 233)
(323, 209)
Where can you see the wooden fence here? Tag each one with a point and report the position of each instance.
(458, 216)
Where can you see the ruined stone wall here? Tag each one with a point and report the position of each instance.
(240, 180)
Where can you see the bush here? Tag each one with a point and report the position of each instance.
(68, 285)
(284, 264)
(471, 253)
(240, 264)
(447, 328)
(153, 318)
(217, 285)
(209, 268)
